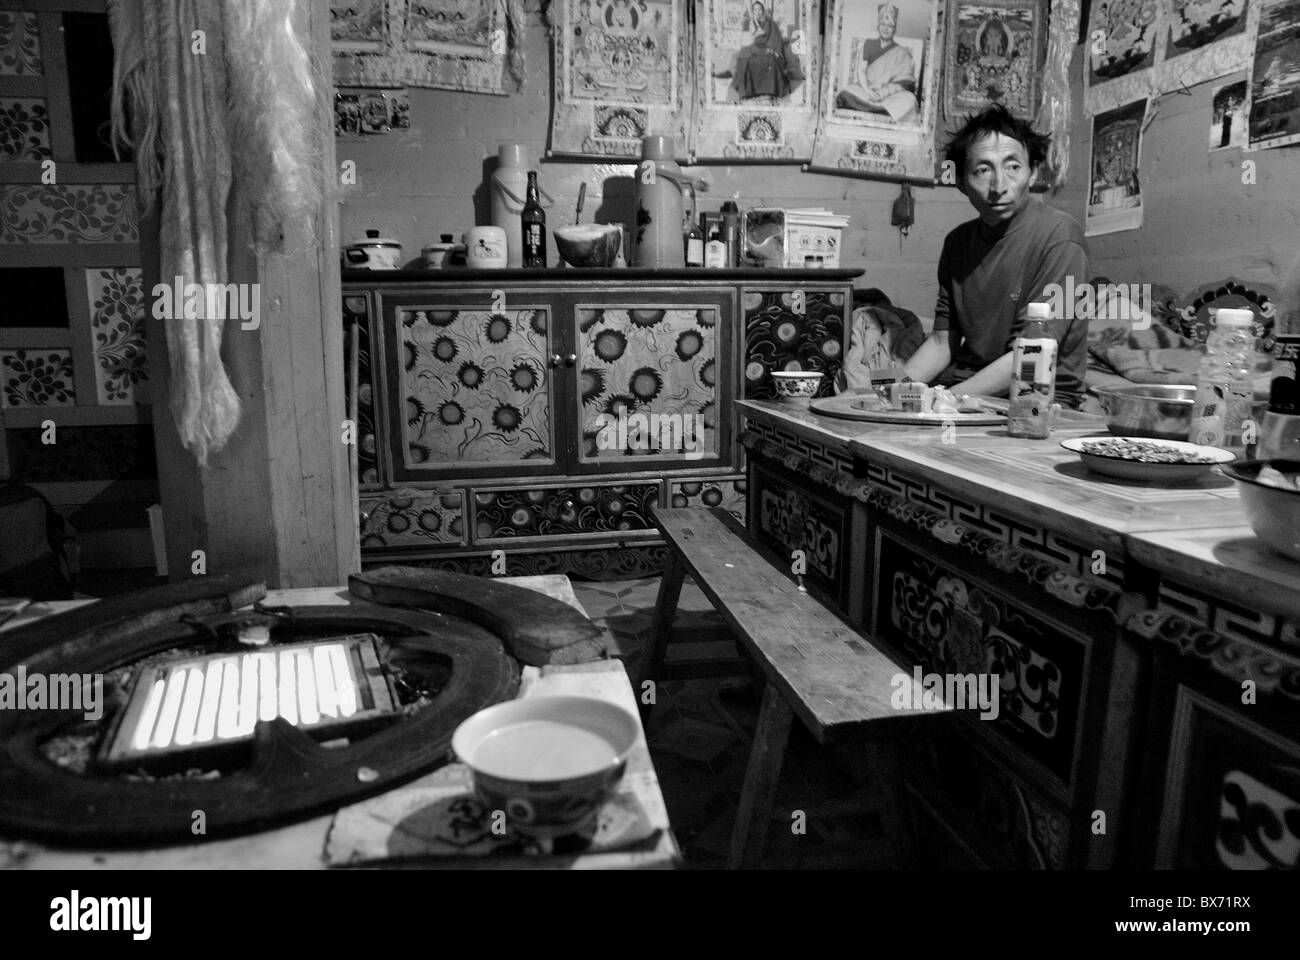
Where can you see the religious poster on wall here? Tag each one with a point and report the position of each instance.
(879, 92)
(1204, 39)
(1115, 190)
(447, 44)
(1121, 52)
(1275, 77)
(758, 66)
(1228, 116)
(994, 51)
(621, 73)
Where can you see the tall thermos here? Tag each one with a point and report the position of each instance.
(509, 190)
(658, 226)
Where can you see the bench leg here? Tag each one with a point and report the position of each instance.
(670, 590)
(761, 776)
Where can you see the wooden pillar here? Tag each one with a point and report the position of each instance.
(277, 502)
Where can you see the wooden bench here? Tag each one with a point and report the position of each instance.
(816, 666)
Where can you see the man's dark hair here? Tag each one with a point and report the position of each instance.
(996, 118)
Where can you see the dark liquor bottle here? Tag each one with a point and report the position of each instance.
(533, 221)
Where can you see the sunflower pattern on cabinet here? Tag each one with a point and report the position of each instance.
(476, 386)
(659, 363)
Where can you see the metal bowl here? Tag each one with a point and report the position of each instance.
(1273, 512)
(1159, 411)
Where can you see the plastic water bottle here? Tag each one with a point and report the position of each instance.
(1223, 382)
(1033, 376)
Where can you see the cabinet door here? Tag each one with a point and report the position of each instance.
(653, 386)
(471, 386)
(793, 328)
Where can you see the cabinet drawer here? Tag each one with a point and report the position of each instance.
(1231, 798)
(601, 510)
(708, 492)
(413, 519)
(788, 516)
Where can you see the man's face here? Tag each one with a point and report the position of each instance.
(997, 177)
(885, 25)
(760, 14)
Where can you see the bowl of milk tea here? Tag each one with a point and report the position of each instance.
(548, 763)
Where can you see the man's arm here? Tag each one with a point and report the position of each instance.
(931, 358)
(993, 381)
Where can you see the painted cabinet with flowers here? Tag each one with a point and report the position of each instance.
(529, 421)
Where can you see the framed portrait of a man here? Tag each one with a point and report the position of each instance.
(758, 64)
(879, 89)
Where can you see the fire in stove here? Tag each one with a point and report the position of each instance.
(179, 708)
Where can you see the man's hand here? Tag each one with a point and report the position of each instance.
(930, 359)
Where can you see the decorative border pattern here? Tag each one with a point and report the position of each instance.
(117, 319)
(20, 44)
(76, 213)
(1227, 619)
(24, 129)
(1236, 659)
(589, 563)
(796, 444)
(36, 378)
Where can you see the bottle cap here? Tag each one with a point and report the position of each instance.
(713, 235)
(445, 237)
(1225, 317)
(729, 206)
(1038, 311)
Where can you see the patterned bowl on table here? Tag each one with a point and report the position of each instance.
(796, 386)
(548, 763)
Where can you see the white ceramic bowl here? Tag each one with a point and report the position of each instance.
(796, 386)
(1272, 512)
(548, 762)
(1159, 471)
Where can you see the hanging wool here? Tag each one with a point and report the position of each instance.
(1054, 113)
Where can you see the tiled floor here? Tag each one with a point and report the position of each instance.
(699, 733)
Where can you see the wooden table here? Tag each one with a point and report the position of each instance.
(300, 846)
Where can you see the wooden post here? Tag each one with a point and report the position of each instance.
(276, 503)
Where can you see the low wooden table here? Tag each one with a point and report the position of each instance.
(300, 846)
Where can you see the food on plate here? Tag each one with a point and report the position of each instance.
(1145, 451)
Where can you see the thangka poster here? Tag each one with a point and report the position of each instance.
(994, 52)
(1115, 189)
(758, 65)
(447, 44)
(879, 90)
(1204, 39)
(1121, 52)
(1275, 77)
(621, 73)
(1228, 115)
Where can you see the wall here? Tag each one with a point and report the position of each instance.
(1201, 223)
(415, 184)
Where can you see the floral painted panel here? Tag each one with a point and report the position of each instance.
(659, 363)
(36, 378)
(24, 129)
(356, 311)
(791, 330)
(564, 511)
(76, 213)
(409, 519)
(116, 297)
(20, 44)
(476, 386)
(728, 494)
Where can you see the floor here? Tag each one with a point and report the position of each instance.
(699, 733)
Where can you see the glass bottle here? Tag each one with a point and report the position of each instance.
(533, 224)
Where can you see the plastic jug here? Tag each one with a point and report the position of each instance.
(509, 187)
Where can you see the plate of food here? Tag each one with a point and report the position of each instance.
(1143, 458)
(916, 404)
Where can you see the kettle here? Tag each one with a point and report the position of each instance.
(657, 193)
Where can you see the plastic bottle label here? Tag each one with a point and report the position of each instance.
(1221, 409)
(1033, 385)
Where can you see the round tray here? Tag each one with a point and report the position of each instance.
(843, 406)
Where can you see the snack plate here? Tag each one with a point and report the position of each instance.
(1148, 470)
(856, 406)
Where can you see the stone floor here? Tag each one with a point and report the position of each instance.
(699, 733)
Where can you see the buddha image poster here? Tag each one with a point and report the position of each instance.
(758, 68)
(1115, 190)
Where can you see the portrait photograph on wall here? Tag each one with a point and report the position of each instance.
(879, 97)
(1115, 190)
(994, 53)
(621, 73)
(1228, 116)
(758, 66)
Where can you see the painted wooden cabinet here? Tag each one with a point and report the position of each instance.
(540, 413)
